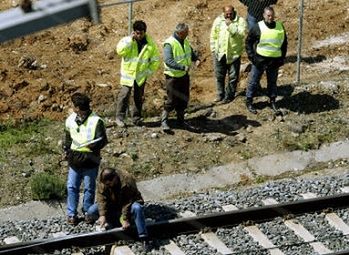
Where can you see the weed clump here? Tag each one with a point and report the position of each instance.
(45, 186)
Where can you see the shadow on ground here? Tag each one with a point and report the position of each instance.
(307, 103)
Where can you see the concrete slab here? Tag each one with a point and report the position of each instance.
(32, 210)
(277, 164)
(158, 188)
(334, 151)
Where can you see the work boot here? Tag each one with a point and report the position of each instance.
(184, 124)
(218, 100)
(119, 122)
(90, 219)
(180, 118)
(73, 220)
(273, 105)
(227, 100)
(137, 122)
(250, 107)
(164, 121)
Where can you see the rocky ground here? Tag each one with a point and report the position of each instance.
(38, 73)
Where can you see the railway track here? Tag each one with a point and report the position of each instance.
(211, 234)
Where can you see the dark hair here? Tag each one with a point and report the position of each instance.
(139, 25)
(107, 174)
(180, 27)
(268, 8)
(81, 101)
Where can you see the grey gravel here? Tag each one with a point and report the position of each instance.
(234, 237)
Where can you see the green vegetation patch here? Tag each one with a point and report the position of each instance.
(45, 186)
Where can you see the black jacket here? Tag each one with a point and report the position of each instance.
(252, 40)
(256, 8)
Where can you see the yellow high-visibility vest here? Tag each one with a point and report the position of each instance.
(271, 40)
(134, 66)
(83, 133)
(228, 40)
(182, 55)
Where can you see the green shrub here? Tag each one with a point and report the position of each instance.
(45, 186)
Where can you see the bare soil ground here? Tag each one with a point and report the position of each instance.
(38, 74)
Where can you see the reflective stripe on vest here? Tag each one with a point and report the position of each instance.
(137, 67)
(181, 55)
(270, 40)
(83, 133)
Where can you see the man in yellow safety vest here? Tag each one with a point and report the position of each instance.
(266, 47)
(140, 59)
(178, 57)
(227, 44)
(85, 136)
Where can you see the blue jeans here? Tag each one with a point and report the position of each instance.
(73, 186)
(221, 70)
(255, 77)
(251, 21)
(114, 221)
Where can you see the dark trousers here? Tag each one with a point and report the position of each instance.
(255, 77)
(178, 93)
(221, 70)
(123, 101)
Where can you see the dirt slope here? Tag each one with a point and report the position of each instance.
(80, 56)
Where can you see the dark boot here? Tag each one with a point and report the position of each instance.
(250, 107)
(182, 123)
(164, 121)
(273, 105)
(180, 118)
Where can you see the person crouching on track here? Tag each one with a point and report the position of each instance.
(85, 136)
(119, 201)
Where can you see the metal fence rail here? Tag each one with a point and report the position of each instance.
(44, 14)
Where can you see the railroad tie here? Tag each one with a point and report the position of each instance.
(211, 238)
(121, 250)
(299, 230)
(257, 235)
(333, 219)
(173, 249)
(345, 189)
(11, 240)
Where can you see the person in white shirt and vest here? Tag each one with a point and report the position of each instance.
(266, 47)
(227, 44)
(178, 57)
(85, 136)
(140, 59)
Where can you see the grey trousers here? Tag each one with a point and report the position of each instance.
(122, 102)
(222, 69)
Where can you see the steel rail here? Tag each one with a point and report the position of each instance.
(345, 252)
(16, 22)
(170, 228)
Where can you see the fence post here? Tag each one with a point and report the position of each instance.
(300, 37)
(130, 14)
